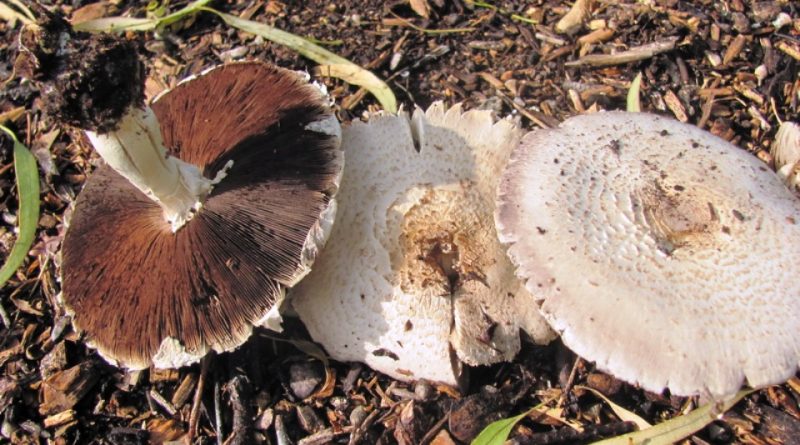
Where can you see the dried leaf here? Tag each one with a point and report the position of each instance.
(28, 215)
(332, 64)
(678, 428)
(311, 349)
(92, 11)
(41, 150)
(11, 15)
(11, 115)
(326, 390)
(621, 412)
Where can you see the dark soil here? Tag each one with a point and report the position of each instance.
(730, 72)
(87, 82)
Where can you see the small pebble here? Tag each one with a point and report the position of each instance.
(264, 421)
(304, 377)
(423, 390)
(740, 22)
(719, 432)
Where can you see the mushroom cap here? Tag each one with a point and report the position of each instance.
(142, 294)
(413, 280)
(665, 254)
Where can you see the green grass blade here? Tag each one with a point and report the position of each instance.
(678, 428)
(118, 24)
(195, 6)
(28, 214)
(333, 64)
(633, 103)
(497, 432)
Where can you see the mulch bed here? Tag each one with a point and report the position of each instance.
(727, 69)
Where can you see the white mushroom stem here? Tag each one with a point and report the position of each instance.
(136, 151)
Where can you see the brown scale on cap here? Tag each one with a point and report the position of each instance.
(86, 80)
(131, 283)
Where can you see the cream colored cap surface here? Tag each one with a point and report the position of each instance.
(664, 254)
(413, 281)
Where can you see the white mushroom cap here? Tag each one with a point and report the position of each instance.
(413, 270)
(664, 254)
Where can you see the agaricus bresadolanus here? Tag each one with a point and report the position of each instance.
(209, 205)
(661, 252)
(413, 279)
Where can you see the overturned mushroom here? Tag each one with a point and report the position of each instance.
(413, 280)
(664, 254)
(210, 204)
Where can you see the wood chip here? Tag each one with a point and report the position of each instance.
(162, 402)
(749, 93)
(164, 430)
(184, 391)
(163, 375)
(674, 104)
(574, 18)
(706, 93)
(443, 438)
(789, 49)
(60, 418)
(734, 49)
(491, 80)
(638, 53)
(62, 390)
(421, 7)
(600, 35)
(778, 426)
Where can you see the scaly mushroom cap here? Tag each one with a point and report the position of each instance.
(142, 294)
(413, 264)
(664, 254)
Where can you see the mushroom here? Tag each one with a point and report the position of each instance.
(413, 280)
(785, 152)
(209, 205)
(665, 254)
